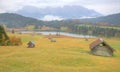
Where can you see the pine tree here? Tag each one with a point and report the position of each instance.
(4, 39)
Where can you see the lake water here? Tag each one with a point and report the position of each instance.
(61, 33)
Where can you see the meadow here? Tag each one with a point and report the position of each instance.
(66, 55)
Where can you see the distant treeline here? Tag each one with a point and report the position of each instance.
(97, 31)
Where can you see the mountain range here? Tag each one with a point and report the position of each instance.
(66, 12)
(16, 20)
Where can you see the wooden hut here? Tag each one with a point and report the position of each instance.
(31, 44)
(100, 47)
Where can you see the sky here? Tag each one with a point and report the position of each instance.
(104, 7)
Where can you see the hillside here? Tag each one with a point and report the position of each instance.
(15, 20)
(111, 19)
(65, 55)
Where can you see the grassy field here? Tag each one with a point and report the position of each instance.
(65, 55)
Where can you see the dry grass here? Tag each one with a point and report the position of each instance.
(65, 55)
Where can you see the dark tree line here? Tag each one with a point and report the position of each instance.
(85, 28)
(97, 31)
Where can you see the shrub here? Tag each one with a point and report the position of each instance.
(5, 40)
(15, 40)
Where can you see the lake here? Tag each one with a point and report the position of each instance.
(61, 33)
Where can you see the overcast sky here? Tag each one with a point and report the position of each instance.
(102, 6)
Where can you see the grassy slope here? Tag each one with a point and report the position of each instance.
(66, 55)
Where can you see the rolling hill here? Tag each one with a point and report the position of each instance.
(16, 20)
(111, 19)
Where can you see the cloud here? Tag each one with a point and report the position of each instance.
(105, 9)
(10, 5)
(13, 5)
(51, 17)
(86, 17)
(102, 6)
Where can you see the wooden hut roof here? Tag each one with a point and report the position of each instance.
(99, 41)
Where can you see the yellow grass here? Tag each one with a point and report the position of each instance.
(65, 55)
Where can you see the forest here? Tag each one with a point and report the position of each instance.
(86, 28)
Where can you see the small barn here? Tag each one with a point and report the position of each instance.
(31, 44)
(100, 47)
